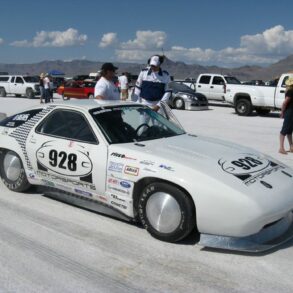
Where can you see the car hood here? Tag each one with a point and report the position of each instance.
(187, 155)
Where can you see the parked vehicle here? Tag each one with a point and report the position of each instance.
(19, 85)
(77, 89)
(183, 97)
(213, 86)
(103, 156)
(262, 99)
(190, 83)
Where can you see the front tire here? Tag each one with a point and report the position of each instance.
(179, 104)
(166, 212)
(12, 172)
(243, 107)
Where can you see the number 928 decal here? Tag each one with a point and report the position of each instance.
(244, 164)
(58, 159)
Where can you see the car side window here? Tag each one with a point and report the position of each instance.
(218, 80)
(69, 125)
(205, 79)
(19, 80)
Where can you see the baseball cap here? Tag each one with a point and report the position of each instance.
(109, 66)
(155, 61)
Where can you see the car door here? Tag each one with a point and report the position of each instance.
(18, 86)
(280, 92)
(217, 88)
(65, 153)
(74, 90)
(203, 85)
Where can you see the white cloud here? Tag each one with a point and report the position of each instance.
(109, 39)
(263, 48)
(1, 41)
(146, 40)
(70, 37)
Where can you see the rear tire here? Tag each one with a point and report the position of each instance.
(166, 212)
(30, 94)
(2, 92)
(243, 107)
(12, 172)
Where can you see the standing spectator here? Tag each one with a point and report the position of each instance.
(287, 114)
(42, 89)
(152, 83)
(47, 88)
(51, 84)
(105, 88)
(123, 81)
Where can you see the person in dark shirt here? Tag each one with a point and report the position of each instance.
(287, 114)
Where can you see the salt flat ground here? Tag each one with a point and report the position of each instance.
(49, 246)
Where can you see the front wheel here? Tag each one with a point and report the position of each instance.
(166, 212)
(243, 107)
(179, 104)
(12, 172)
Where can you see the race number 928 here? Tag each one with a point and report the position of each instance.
(63, 160)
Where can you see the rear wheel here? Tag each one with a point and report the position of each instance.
(179, 104)
(243, 107)
(2, 92)
(166, 212)
(30, 94)
(12, 172)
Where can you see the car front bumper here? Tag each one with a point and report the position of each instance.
(269, 237)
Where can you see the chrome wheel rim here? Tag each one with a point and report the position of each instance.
(163, 212)
(12, 166)
(179, 103)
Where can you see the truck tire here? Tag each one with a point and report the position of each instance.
(243, 107)
(2, 92)
(30, 94)
(262, 112)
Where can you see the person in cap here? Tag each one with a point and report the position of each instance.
(105, 88)
(287, 114)
(152, 84)
(42, 89)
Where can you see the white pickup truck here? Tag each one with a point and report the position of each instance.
(19, 85)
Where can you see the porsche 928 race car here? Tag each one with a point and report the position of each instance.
(125, 160)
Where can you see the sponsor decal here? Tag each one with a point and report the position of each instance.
(64, 180)
(119, 205)
(114, 196)
(122, 156)
(10, 124)
(147, 163)
(48, 183)
(149, 170)
(123, 191)
(131, 170)
(116, 167)
(248, 167)
(82, 192)
(76, 163)
(102, 198)
(32, 175)
(166, 167)
(125, 184)
(113, 181)
(21, 117)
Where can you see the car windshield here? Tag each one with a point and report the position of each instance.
(179, 87)
(123, 124)
(232, 80)
(31, 78)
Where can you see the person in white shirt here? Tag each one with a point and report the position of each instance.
(105, 88)
(123, 81)
(152, 84)
(46, 82)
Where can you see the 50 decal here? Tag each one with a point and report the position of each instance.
(54, 156)
(245, 164)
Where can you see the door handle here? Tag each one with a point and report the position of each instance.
(212, 87)
(199, 86)
(282, 91)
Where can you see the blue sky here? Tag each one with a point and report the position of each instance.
(225, 33)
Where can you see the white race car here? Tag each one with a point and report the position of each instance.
(125, 160)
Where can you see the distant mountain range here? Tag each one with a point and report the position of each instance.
(179, 70)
